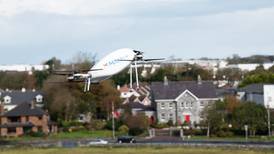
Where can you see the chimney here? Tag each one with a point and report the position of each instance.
(32, 104)
(199, 79)
(165, 81)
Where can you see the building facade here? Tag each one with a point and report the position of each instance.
(24, 119)
(182, 101)
(259, 93)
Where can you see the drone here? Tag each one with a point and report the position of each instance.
(110, 65)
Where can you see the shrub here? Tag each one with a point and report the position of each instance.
(123, 129)
(170, 123)
(98, 124)
(117, 123)
(222, 133)
(160, 125)
(135, 131)
(36, 134)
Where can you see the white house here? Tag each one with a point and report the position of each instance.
(259, 93)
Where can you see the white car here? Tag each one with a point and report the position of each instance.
(98, 142)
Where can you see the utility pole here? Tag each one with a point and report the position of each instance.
(246, 132)
(268, 120)
(113, 122)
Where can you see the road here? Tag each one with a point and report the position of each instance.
(157, 141)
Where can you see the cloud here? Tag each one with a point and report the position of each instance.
(63, 7)
(76, 7)
(184, 28)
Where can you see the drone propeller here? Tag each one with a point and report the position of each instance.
(71, 72)
(142, 60)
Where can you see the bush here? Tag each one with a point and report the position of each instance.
(98, 124)
(160, 125)
(36, 134)
(71, 126)
(123, 129)
(117, 123)
(170, 123)
(135, 131)
(222, 133)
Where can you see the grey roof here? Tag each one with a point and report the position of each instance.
(18, 97)
(253, 88)
(174, 88)
(137, 105)
(221, 92)
(24, 109)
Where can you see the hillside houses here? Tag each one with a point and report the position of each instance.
(12, 98)
(21, 112)
(259, 93)
(182, 101)
(176, 101)
(25, 118)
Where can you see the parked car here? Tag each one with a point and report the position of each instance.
(97, 142)
(126, 139)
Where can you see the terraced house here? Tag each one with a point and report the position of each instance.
(182, 101)
(21, 112)
(25, 118)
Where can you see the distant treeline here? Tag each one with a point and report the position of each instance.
(236, 59)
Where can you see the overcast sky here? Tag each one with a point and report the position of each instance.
(32, 31)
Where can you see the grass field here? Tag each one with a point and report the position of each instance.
(70, 135)
(156, 150)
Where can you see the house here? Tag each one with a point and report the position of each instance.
(259, 93)
(250, 67)
(137, 108)
(25, 118)
(137, 100)
(127, 92)
(23, 68)
(182, 101)
(13, 98)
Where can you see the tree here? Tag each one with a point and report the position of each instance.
(214, 117)
(230, 73)
(60, 101)
(106, 93)
(83, 60)
(251, 114)
(53, 63)
(137, 124)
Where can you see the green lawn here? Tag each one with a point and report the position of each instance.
(156, 150)
(234, 138)
(82, 134)
(70, 135)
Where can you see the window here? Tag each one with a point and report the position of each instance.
(191, 104)
(202, 103)
(40, 117)
(7, 99)
(170, 116)
(162, 105)
(171, 105)
(12, 130)
(182, 104)
(163, 116)
(187, 104)
(14, 119)
(39, 98)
